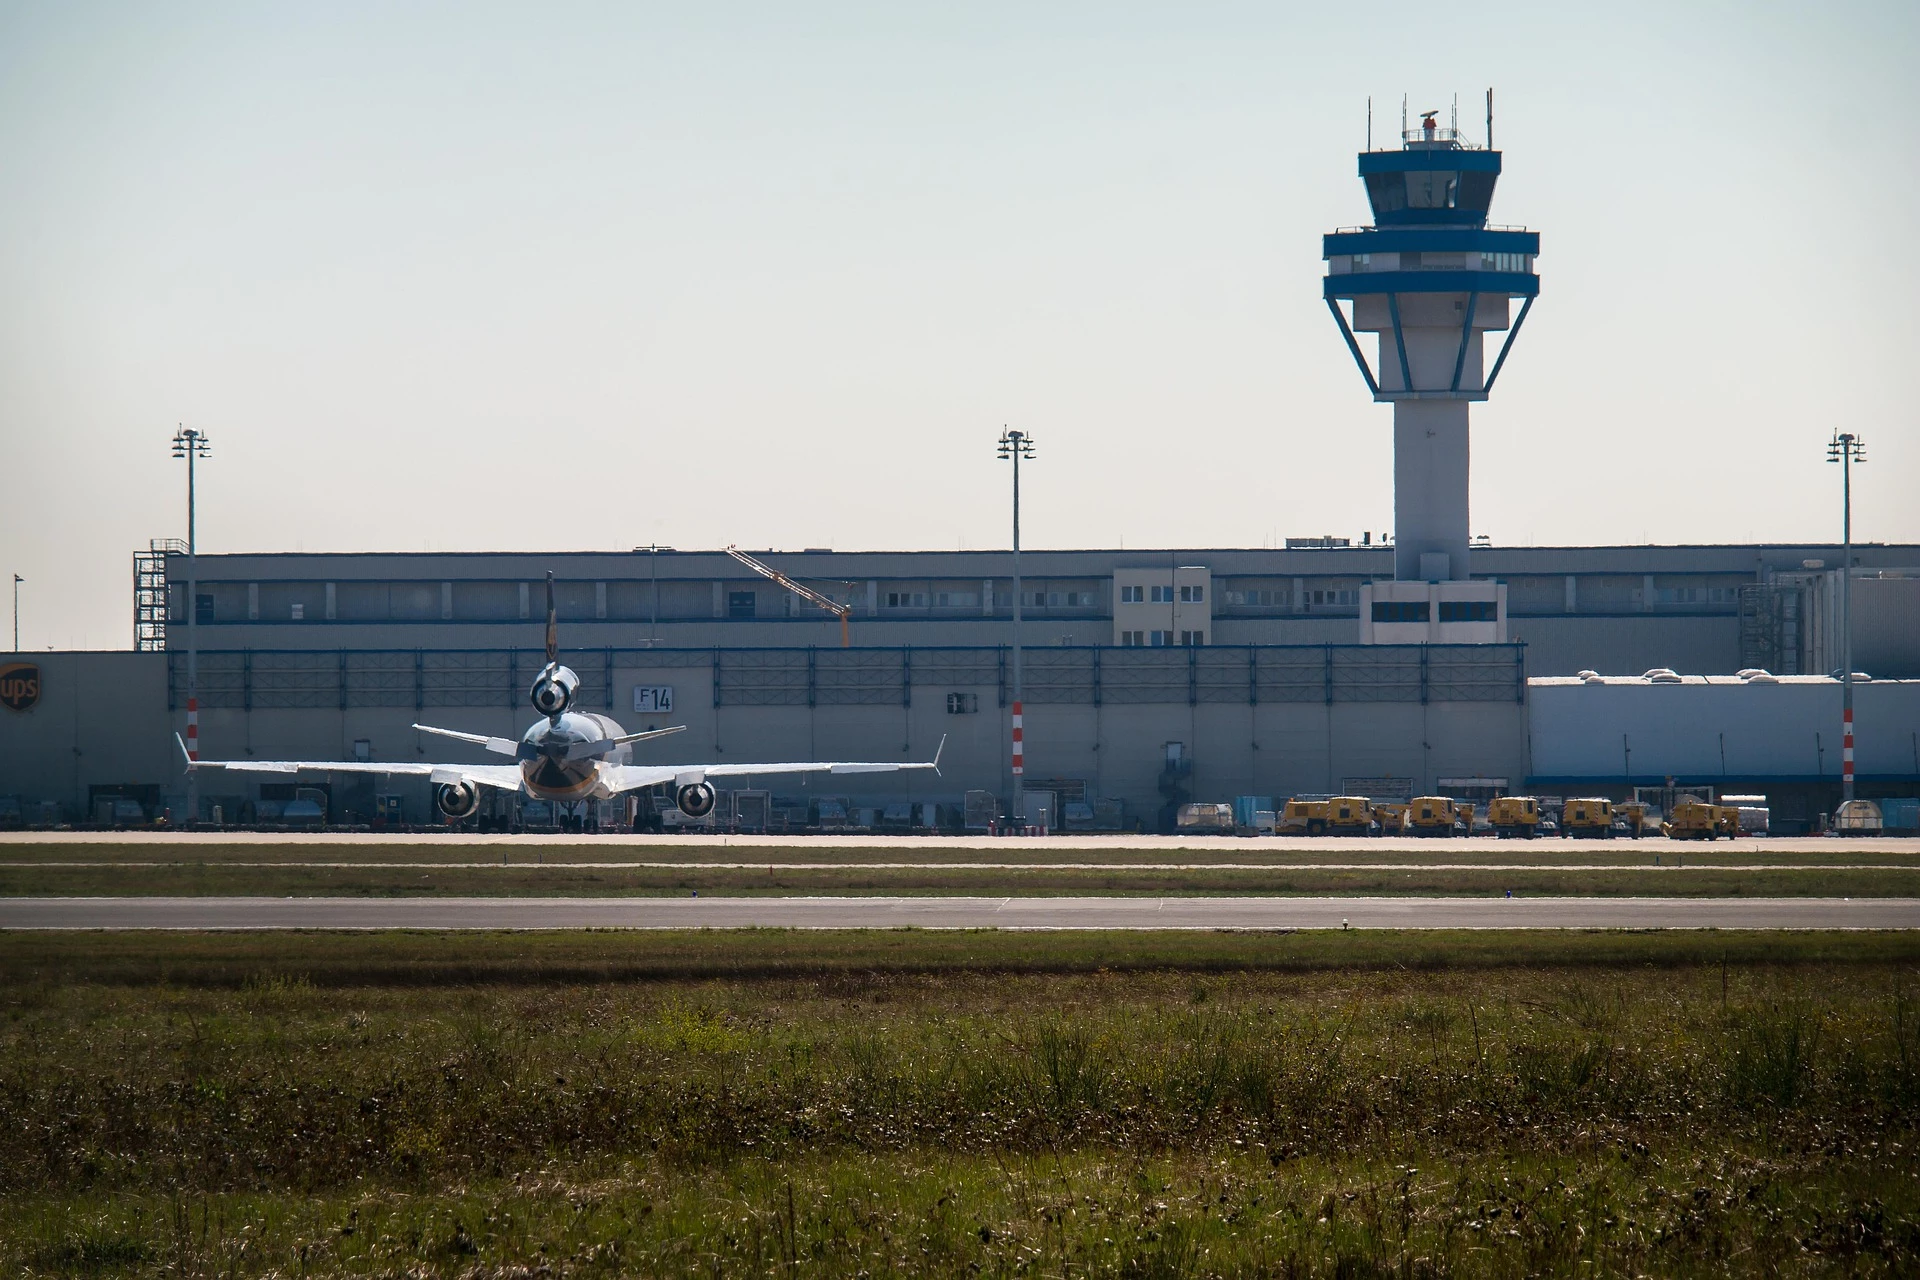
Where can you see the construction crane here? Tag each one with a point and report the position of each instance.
(808, 594)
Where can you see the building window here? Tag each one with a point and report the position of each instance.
(1256, 598)
(962, 704)
(1196, 594)
(1193, 638)
(1159, 639)
(1163, 595)
(1505, 262)
(956, 599)
(1466, 611)
(740, 604)
(1133, 595)
(1133, 639)
(203, 609)
(1404, 611)
(906, 599)
(297, 612)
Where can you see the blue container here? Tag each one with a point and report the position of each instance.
(1901, 815)
(1244, 806)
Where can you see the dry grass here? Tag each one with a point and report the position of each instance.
(957, 1104)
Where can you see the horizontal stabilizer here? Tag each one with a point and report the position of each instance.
(499, 746)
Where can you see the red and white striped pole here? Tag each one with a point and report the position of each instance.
(1846, 752)
(193, 727)
(1019, 751)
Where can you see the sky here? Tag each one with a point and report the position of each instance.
(573, 276)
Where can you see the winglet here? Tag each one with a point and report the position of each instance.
(553, 624)
(936, 754)
(192, 764)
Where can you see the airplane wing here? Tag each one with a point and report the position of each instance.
(505, 777)
(632, 777)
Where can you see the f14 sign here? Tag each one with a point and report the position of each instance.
(653, 699)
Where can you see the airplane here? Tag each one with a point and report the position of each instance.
(565, 756)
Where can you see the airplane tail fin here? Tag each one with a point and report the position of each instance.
(553, 624)
(185, 755)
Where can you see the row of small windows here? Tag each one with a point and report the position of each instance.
(1161, 639)
(1697, 595)
(1450, 611)
(1193, 593)
(1433, 260)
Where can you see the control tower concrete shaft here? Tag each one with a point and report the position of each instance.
(1431, 280)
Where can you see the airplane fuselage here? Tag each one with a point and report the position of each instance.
(561, 756)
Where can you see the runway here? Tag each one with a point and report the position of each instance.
(959, 913)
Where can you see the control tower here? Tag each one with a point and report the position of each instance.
(1431, 279)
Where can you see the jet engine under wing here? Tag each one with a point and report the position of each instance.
(632, 777)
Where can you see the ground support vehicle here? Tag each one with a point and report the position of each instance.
(1432, 816)
(1308, 817)
(1692, 820)
(1726, 820)
(1205, 820)
(1391, 815)
(1587, 817)
(1350, 816)
(1630, 818)
(1858, 818)
(1514, 817)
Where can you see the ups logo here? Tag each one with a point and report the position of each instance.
(19, 685)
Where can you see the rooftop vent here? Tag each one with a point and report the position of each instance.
(1662, 675)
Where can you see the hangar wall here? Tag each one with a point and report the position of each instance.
(1707, 728)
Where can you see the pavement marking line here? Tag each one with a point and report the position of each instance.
(985, 866)
(1071, 840)
(826, 912)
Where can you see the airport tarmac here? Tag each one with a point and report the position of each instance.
(932, 846)
(959, 913)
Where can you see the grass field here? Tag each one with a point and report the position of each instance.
(909, 1103)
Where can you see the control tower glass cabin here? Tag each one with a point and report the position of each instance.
(1430, 279)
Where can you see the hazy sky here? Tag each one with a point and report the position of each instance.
(588, 276)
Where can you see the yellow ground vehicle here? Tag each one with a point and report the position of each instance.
(1692, 820)
(1463, 813)
(1392, 817)
(1587, 817)
(1304, 816)
(1726, 820)
(1632, 817)
(1350, 816)
(1514, 816)
(1431, 816)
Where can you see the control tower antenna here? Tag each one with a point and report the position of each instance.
(1431, 281)
(1369, 122)
(1489, 118)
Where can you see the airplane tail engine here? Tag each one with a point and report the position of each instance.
(456, 799)
(696, 799)
(554, 689)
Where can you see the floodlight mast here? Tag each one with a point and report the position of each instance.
(191, 444)
(1846, 448)
(1016, 445)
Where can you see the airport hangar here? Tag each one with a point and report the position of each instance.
(1252, 667)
